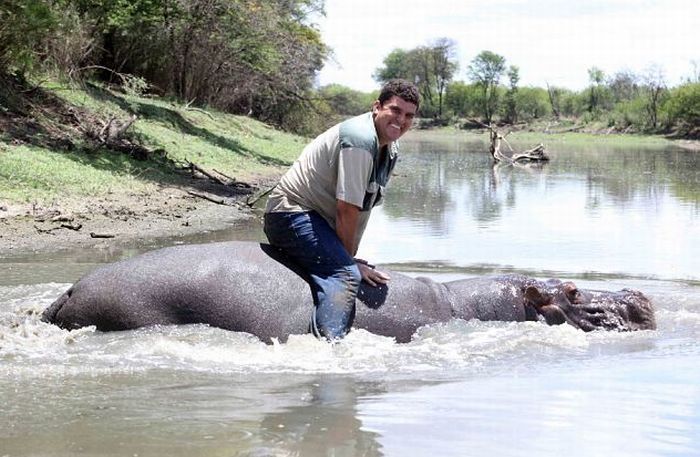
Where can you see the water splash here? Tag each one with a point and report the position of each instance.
(29, 347)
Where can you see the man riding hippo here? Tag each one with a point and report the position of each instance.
(317, 213)
(251, 287)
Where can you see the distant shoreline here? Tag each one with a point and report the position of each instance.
(536, 132)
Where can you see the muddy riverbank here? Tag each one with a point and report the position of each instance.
(110, 220)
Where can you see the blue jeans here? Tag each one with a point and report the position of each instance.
(335, 278)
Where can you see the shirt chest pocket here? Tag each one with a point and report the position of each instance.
(373, 196)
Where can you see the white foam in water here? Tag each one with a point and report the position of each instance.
(21, 331)
(454, 345)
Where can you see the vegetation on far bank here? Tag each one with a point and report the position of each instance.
(621, 102)
(550, 133)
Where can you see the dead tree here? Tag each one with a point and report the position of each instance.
(535, 154)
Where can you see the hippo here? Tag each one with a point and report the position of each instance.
(251, 287)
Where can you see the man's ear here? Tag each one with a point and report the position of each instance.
(375, 106)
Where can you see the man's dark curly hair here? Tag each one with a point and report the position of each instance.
(401, 88)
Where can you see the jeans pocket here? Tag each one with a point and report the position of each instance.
(287, 229)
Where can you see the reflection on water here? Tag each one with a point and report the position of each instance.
(325, 424)
(612, 407)
(609, 218)
(164, 412)
(605, 211)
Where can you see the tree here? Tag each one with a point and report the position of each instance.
(396, 65)
(241, 56)
(630, 114)
(23, 24)
(430, 67)
(655, 88)
(462, 99)
(596, 77)
(421, 71)
(683, 107)
(533, 103)
(572, 103)
(555, 94)
(512, 93)
(624, 86)
(695, 75)
(486, 71)
(345, 101)
(443, 55)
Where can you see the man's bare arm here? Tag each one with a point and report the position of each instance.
(346, 219)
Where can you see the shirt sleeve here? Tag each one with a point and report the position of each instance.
(354, 167)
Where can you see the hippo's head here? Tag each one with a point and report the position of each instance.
(562, 302)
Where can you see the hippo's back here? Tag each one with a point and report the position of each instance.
(222, 284)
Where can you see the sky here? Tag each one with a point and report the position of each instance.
(551, 41)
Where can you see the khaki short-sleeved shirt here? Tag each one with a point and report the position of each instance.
(343, 163)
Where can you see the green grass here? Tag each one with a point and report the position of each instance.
(237, 146)
(29, 173)
(535, 137)
(579, 138)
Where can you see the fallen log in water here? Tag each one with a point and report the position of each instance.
(535, 154)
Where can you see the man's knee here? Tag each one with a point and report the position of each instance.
(342, 289)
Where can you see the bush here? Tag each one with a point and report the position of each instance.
(572, 104)
(70, 45)
(345, 101)
(23, 24)
(532, 103)
(683, 107)
(630, 114)
(462, 100)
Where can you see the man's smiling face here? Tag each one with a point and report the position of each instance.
(393, 118)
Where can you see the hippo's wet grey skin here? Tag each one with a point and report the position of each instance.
(238, 286)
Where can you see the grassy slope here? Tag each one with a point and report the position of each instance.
(234, 145)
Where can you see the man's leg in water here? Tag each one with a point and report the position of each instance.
(311, 242)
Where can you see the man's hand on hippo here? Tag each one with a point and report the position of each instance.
(370, 274)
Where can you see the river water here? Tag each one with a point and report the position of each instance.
(604, 217)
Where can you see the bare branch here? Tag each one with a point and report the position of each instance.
(218, 201)
(201, 170)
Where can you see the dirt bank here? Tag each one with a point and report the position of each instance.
(691, 145)
(110, 220)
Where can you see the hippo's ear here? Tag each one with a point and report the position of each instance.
(535, 297)
(572, 292)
